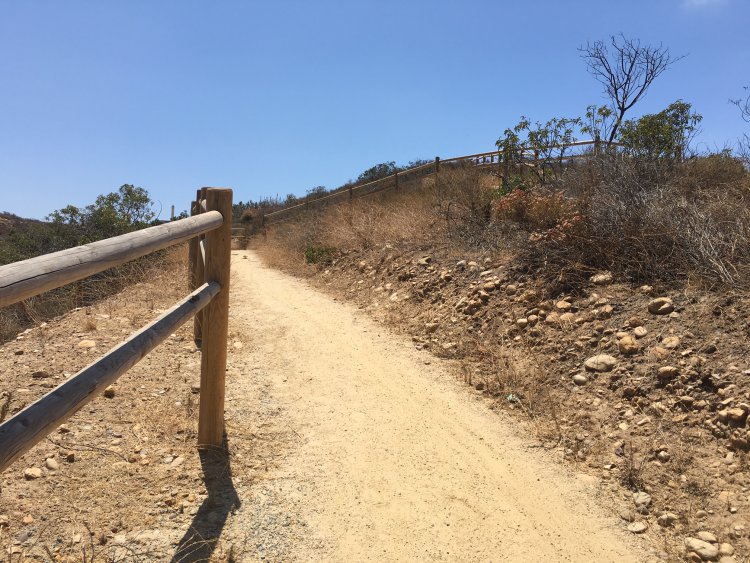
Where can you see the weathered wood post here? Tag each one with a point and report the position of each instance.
(215, 323)
(199, 271)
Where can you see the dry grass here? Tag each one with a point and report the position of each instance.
(34, 311)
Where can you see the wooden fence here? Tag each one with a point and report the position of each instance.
(394, 181)
(208, 231)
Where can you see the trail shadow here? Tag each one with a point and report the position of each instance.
(201, 538)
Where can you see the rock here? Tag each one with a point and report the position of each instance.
(63, 429)
(32, 473)
(666, 519)
(705, 550)
(600, 363)
(706, 536)
(736, 415)
(237, 345)
(87, 344)
(521, 323)
(627, 345)
(3, 521)
(566, 318)
(70, 457)
(605, 312)
(642, 499)
(726, 549)
(563, 305)
(40, 375)
(431, 327)
(580, 379)
(176, 462)
(662, 456)
(602, 278)
(660, 306)
(51, 464)
(109, 392)
(640, 331)
(28, 519)
(461, 264)
(424, 261)
(637, 527)
(667, 373)
(671, 342)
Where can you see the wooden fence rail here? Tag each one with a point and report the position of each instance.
(392, 181)
(210, 282)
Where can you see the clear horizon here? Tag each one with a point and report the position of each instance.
(276, 98)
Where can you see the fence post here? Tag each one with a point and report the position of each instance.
(199, 275)
(215, 323)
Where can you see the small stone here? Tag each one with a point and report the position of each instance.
(87, 344)
(662, 456)
(40, 375)
(176, 462)
(424, 261)
(63, 429)
(431, 327)
(563, 305)
(28, 519)
(671, 342)
(642, 499)
(660, 306)
(51, 464)
(3, 521)
(70, 457)
(237, 345)
(667, 373)
(706, 536)
(521, 323)
(726, 549)
(32, 473)
(580, 379)
(600, 363)
(109, 392)
(602, 278)
(640, 331)
(627, 346)
(666, 519)
(637, 527)
(704, 550)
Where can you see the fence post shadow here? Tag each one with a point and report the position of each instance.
(201, 538)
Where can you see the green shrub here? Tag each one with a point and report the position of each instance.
(319, 255)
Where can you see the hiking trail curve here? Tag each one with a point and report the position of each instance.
(382, 455)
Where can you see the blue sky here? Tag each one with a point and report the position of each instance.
(280, 96)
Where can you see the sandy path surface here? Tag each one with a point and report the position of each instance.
(388, 458)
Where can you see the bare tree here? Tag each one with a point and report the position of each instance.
(626, 69)
(743, 105)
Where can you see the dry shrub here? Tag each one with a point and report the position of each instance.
(651, 224)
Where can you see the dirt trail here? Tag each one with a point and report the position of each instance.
(388, 458)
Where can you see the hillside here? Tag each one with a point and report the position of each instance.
(636, 373)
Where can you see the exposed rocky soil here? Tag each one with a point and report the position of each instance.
(121, 480)
(644, 388)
